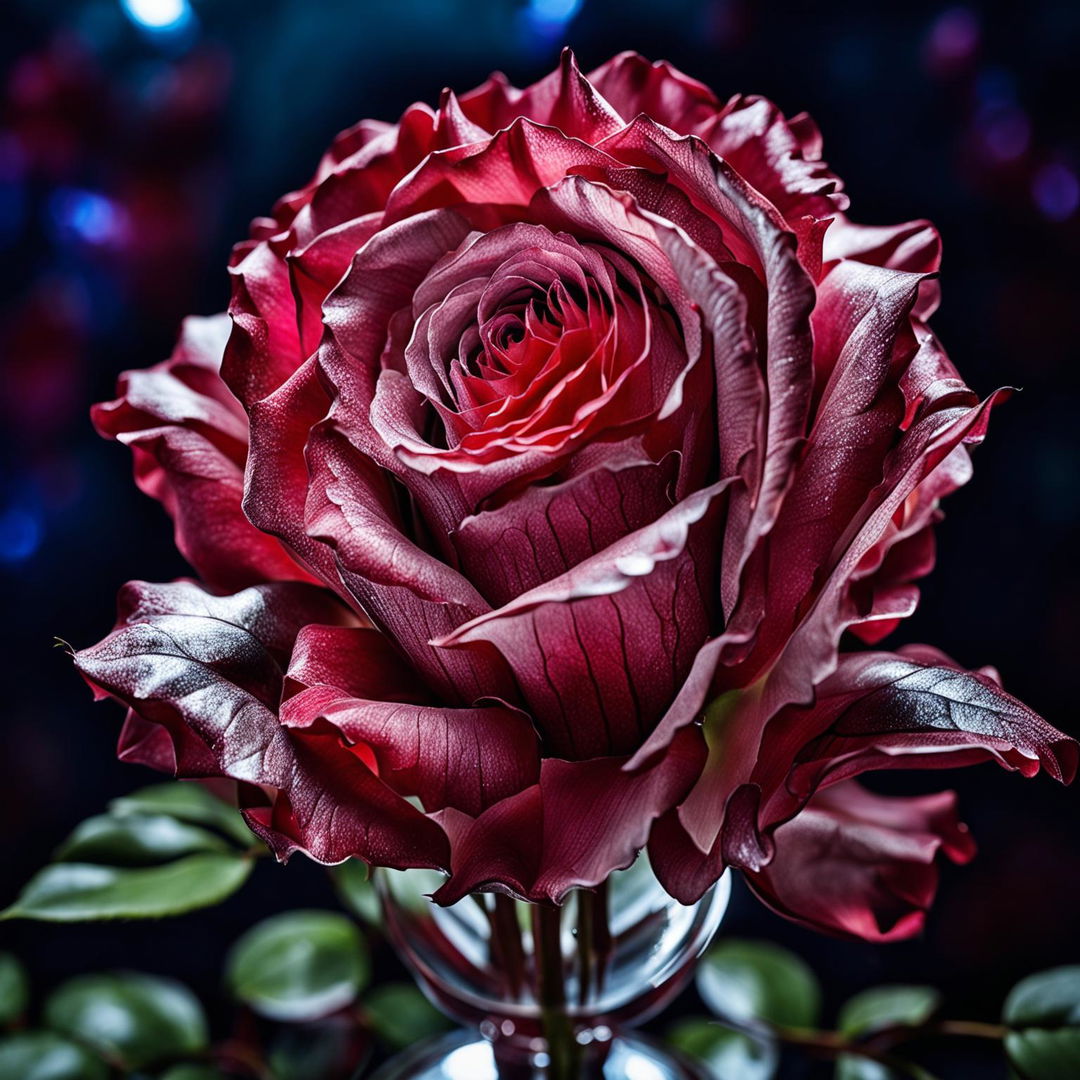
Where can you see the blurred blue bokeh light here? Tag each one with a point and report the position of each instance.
(550, 17)
(20, 534)
(159, 16)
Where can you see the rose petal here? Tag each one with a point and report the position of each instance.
(581, 822)
(860, 865)
(210, 668)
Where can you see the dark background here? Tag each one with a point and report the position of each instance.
(131, 159)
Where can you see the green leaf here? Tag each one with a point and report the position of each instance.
(76, 892)
(852, 1067)
(136, 840)
(191, 1072)
(400, 1015)
(1044, 1012)
(357, 891)
(323, 1051)
(1048, 999)
(136, 1019)
(188, 801)
(724, 1052)
(746, 981)
(888, 1006)
(299, 966)
(43, 1055)
(14, 989)
(1039, 1054)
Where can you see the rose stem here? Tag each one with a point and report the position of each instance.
(585, 944)
(594, 940)
(551, 993)
(506, 938)
(602, 933)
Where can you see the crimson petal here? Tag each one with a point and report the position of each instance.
(209, 668)
(859, 865)
(581, 822)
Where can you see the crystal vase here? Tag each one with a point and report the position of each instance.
(548, 993)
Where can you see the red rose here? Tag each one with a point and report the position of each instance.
(604, 424)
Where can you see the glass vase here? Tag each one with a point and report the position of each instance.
(548, 993)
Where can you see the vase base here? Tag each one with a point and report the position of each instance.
(463, 1056)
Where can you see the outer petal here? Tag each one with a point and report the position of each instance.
(862, 344)
(914, 246)
(915, 709)
(464, 758)
(356, 661)
(583, 820)
(565, 99)
(600, 650)
(634, 86)
(188, 436)
(277, 474)
(861, 865)
(809, 654)
(208, 670)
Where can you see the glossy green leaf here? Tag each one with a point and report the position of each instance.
(1041, 1054)
(44, 1055)
(746, 981)
(188, 801)
(888, 1006)
(321, 1051)
(726, 1053)
(400, 1014)
(299, 966)
(1048, 999)
(14, 989)
(137, 1019)
(77, 892)
(191, 1072)
(136, 840)
(1044, 1011)
(851, 1067)
(357, 891)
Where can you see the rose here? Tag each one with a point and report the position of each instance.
(604, 424)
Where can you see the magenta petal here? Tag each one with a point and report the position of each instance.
(545, 531)
(357, 661)
(600, 650)
(860, 865)
(583, 820)
(888, 710)
(188, 436)
(464, 758)
(408, 593)
(208, 669)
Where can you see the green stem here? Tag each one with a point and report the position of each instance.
(832, 1044)
(594, 941)
(506, 942)
(586, 947)
(879, 1046)
(562, 1048)
(974, 1029)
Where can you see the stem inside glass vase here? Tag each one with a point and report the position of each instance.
(563, 1050)
(554, 991)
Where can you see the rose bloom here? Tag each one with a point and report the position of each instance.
(560, 449)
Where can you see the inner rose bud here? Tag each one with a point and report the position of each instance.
(526, 340)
